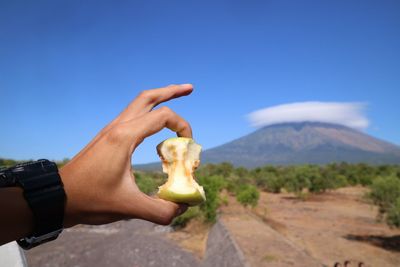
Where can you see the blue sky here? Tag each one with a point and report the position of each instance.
(67, 68)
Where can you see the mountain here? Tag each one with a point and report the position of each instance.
(305, 142)
(299, 143)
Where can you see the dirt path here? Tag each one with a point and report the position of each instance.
(332, 227)
(129, 243)
(262, 245)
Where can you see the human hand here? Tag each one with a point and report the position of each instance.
(99, 181)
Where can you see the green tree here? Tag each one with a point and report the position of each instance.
(385, 192)
(296, 179)
(242, 172)
(212, 187)
(393, 216)
(248, 195)
(182, 220)
(274, 183)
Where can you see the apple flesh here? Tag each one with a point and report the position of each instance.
(180, 157)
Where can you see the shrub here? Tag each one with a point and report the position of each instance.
(241, 172)
(318, 183)
(232, 184)
(296, 179)
(60, 164)
(248, 195)
(393, 216)
(212, 186)
(385, 191)
(274, 183)
(182, 220)
(224, 200)
(146, 183)
(224, 169)
(339, 181)
(261, 181)
(351, 174)
(8, 162)
(268, 180)
(233, 181)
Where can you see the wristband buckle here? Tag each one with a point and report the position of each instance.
(33, 241)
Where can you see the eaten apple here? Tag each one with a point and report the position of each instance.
(180, 157)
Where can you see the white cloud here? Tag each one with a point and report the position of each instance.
(349, 114)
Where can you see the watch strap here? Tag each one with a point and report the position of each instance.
(46, 197)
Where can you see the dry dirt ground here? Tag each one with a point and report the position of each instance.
(192, 238)
(332, 227)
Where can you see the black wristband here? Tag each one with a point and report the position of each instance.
(44, 192)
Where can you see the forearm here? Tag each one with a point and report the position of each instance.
(16, 216)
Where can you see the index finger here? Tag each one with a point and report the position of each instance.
(157, 120)
(149, 99)
(155, 97)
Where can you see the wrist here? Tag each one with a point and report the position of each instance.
(18, 217)
(70, 212)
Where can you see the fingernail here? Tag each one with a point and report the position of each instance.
(186, 85)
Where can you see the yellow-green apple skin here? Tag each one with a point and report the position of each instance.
(180, 157)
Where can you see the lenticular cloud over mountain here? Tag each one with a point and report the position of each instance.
(350, 114)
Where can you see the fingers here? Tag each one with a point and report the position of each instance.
(148, 99)
(160, 211)
(157, 120)
(144, 103)
(152, 98)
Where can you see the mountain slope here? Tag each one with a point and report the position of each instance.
(300, 143)
(306, 142)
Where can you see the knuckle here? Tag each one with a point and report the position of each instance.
(145, 95)
(186, 125)
(165, 111)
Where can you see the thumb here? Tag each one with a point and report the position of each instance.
(160, 211)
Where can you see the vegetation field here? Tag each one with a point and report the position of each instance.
(304, 181)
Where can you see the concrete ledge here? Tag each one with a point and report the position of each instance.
(222, 250)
